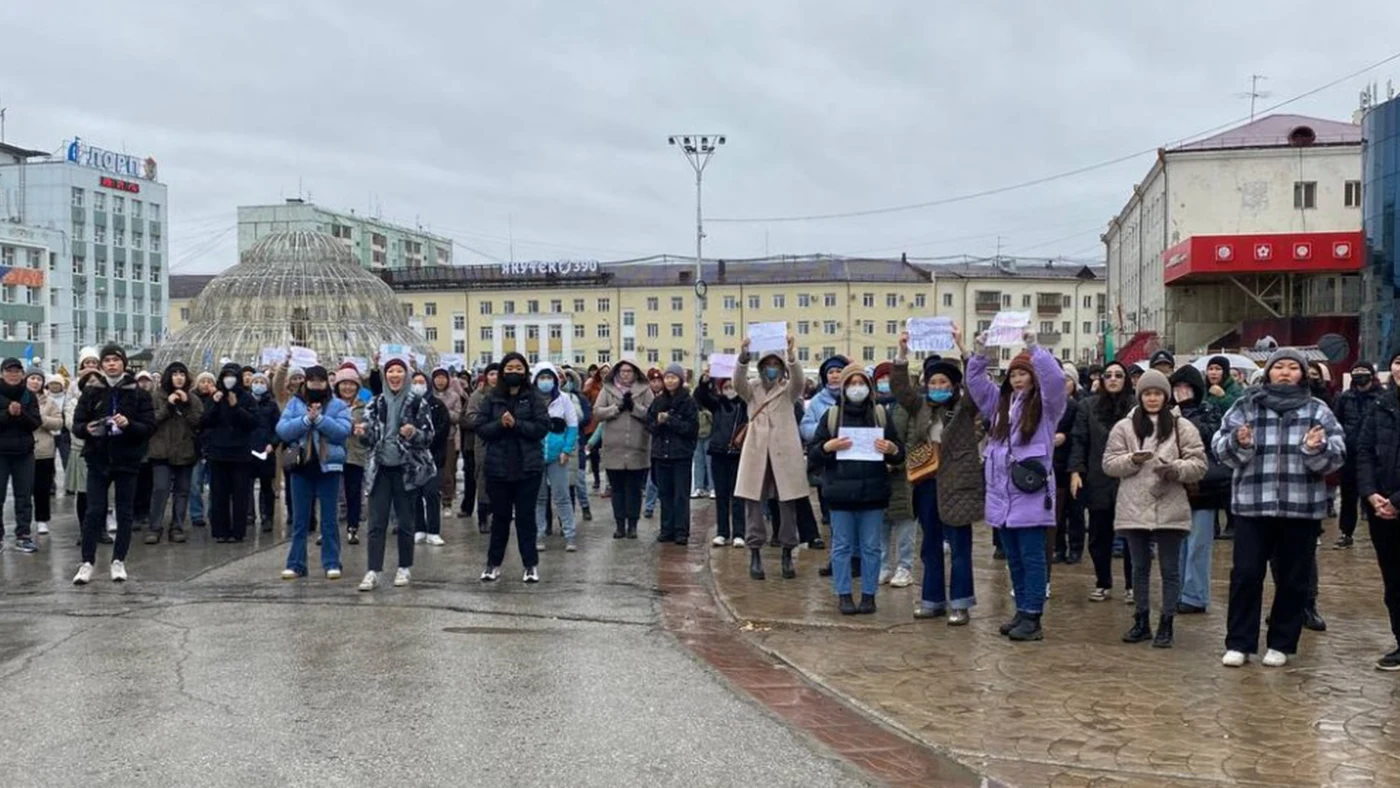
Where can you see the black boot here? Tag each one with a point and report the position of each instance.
(846, 605)
(1164, 633)
(1313, 621)
(825, 571)
(1028, 629)
(756, 564)
(867, 604)
(631, 529)
(789, 570)
(621, 531)
(1142, 628)
(1006, 628)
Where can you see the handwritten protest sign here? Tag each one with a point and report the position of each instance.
(722, 365)
(1007, 329)
(303, 357)
(272, 356)
(862, 444)
(768, 337)
(930, 334)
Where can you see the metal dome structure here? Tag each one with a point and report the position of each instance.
(291, 288)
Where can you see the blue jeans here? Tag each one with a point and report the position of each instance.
(556, 483)
(1025, 558)
(936, 593)
(652, 494)
(903, 532)
(198, 481)
(1195, 559)
(848, 528)
(700, 468)
(581, 481)
(307, 489)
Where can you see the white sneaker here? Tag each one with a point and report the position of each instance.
(739, 542)
(111, 522)
(370, 582)
(42, 528)
(435, 540)
(947, 548)
(491, 575)
(1234, 659)
(118, 571)
(402, 577)
(1100, 595)
(447, 513)
(903, 578)
(1275, 659)
(332, 574)
(532, 575)
(1047, 590)
(719, 541)
(695, 493)
(289, 574)
(1128, 597)
(713, 494)
(84, 575)
(420, 537)
(886, 574)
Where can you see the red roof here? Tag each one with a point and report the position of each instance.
(1273, 131)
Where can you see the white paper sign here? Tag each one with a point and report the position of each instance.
(452, 361)
(1007, 329)
(303, 357)
(930, 334)
(722, 365)
(387, 350)
(272, 356)
(862, 444)
(768, 337)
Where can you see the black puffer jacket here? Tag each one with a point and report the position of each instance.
(1351, 409)
(101, 401)
(1378, 450)
(267, 412)
(1090, 438)
(1066, 428)
(675, 438)
(512, 453)
(1213, 491)
(230, 425)
(729, 415)
(442, 430)
(854, 485)
(17, 430)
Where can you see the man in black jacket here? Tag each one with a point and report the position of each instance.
(1351, 409)
(19, 418)
(114, 419)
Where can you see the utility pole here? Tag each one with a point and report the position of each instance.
(698, 149)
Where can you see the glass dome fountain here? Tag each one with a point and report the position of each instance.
(292, 288)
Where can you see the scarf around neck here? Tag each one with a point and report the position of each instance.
(1283, 397)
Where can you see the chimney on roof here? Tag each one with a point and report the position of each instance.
(685, 275)
(904, 258)
(722, 266)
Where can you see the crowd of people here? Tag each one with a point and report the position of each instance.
(1138, 463)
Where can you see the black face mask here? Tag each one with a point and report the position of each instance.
(1360, 381)
(317, 395)
(513, 380)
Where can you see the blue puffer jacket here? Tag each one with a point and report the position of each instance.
(330, 431)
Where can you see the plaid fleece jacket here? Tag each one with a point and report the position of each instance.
(1278, 476)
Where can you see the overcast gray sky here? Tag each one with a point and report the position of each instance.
(551, 117)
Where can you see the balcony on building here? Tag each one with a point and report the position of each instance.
(1047, 338)
(988, 302)
(1048, 303)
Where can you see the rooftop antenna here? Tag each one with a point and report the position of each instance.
(1254, 93)
(2, 122)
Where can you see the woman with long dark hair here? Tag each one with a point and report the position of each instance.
(1019, 471)
(1096, 490)
(1154, 453)
(315, 427)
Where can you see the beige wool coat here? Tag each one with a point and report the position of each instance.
(51, 419)
(772, 443)
(626, 441)
(1145, 501)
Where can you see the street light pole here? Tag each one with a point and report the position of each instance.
(698, 149)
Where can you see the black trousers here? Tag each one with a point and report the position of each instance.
(228, 499)
(1346, 519)
(353, 481)
(1385, 536)
(388, 493)
(100, 477)
(627, 488)
(673, 479)
(1101, 550)
(468, 483)
(19, 470)
(729, 511)
(1069, 512)
(516, 500)
(806, 520)
(1290, 543)
(43, 489)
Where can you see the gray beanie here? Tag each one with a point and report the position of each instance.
(676, 369)
(1286, 353)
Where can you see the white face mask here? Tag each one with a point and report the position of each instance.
(730, 393)
(857, 394)
(420, 389)
(230, 382)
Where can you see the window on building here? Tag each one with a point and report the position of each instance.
(804, 354)
(653, 356)
(556, 305)
(155, 273)
(829, 326)
(677, 329)
(1304, 194)
(99, 302)
(1088, 327)
(459, 346)
(605, 356)
(578, 304)
(947, 299)
(779, 301)
(459, 321)
(629, 318)
(920, 300)
(99, 201)
(1067, 302)
(532, 332)
(99, 234)
(868, 326)
(100, 268)
(532, 306)
(867, 300)
(677, 303)
(487, 333)
(155, 242)
(731, 302)
(1353, 194)
(829, 299)
(119, 269)
(804, 327)
(828, 351)
(629, 345)
(605, 331)
(867, 353)
(136, 209)
(484, 307)
(430, 333)
(77, 197)
(118, 205)
(556, 331)
(138, 272)
(1006, 354)
(430, 308)
(579, 330)
(580, 358)
(983, 325)
(677, 356)
(1066, 327)
(891, 300)
(408, 307)
(1047, 326)
(604, 305)
(155, 211)
(79, 231)
(804, 300)
(119, 237)
(138, 239)
(653, 330)
(534, 357)
(891, 326)
(1066, 353)
(653, 304)
(508, 331)
(753, 302)
(1006, 299)
(1025, 301)
(508, 307)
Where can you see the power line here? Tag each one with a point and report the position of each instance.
(1050, 178)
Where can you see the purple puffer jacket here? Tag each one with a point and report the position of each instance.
(1006, 505)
